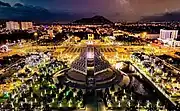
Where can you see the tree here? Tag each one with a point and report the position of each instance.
(112, 88)
(64, 102)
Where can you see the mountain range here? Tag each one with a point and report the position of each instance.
(32, 13)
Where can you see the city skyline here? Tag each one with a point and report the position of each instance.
(115, 10)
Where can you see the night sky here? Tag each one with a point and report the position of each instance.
(112, 9)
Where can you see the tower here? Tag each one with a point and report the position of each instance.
(90, 38)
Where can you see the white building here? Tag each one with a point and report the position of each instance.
(26, 25)
(12, 25)
(168, 36)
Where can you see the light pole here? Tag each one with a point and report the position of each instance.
(35, 36)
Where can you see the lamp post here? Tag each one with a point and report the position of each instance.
(35, 36)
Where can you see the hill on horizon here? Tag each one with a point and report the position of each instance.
(22, 12)
(93, 20)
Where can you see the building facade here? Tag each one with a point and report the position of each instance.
(168, 37)
(26, 25)
(51, 34)
(168, 34)
(12, 25)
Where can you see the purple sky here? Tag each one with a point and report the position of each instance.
(112, 9)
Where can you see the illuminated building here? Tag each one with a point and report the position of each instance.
(26, 25)
(12, 25)
(168, 36)
(91, 70)
(4, 48)
(90, 38)
(152, 36)
(143, 35)
(51, 34)
(59, 28)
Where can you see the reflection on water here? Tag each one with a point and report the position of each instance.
(138, 87)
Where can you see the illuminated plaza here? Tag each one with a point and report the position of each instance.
(76, 76)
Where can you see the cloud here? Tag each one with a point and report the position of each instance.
(33, 13)
(12, 2)
(116, 9)
(4, 4)
(112, 9)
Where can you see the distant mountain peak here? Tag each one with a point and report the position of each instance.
(97, 16)
(94, 20)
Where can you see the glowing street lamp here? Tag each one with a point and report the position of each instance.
(45, 92)
(31, 103)
(21, 103)
(70, 103)
(129, 103)
(31, 94)
(119, 103)
(60, 104)
(51, 92)
(35, 100)
(157, 104)
(138, 105)
(59, 90)
(123, 98)
(56, 96)
(148, 104)
(35, 34)
(25, 100)
(53, 100)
